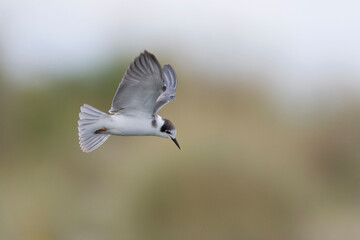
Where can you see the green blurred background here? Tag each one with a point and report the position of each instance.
(261, 157)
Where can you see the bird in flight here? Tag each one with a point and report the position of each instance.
(145, 88)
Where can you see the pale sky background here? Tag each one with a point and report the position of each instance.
(302, 47)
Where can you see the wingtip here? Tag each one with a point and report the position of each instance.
(147, 53)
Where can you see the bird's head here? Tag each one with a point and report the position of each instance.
(168, 130)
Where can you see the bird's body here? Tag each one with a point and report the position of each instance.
(124, 125)
(144, 90)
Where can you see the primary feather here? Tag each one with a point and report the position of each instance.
(170, 84)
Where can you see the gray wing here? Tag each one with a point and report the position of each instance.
(141, 85)
(170, 84)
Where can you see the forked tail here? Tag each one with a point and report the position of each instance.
(89, 135)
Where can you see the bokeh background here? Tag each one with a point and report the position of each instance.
(267, 113)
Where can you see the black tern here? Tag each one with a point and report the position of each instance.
(143, 91)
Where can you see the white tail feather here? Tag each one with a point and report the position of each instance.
(89, 139)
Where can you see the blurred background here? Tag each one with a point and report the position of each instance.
(267, 115)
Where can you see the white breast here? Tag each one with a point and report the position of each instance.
(129, 126)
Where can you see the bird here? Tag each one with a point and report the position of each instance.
(145, 88)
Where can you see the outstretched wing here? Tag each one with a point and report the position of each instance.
(170, 84)
(140, 87)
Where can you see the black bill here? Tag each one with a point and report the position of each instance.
(175, 141)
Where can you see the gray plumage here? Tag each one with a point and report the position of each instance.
(141, 85)
(145, 87)
(170, 84)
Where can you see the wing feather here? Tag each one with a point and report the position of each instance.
(170, 85)
(140, 87)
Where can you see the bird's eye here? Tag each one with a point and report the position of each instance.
(168, 132)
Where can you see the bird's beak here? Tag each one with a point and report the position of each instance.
(175, 141)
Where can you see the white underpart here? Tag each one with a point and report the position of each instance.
(133, 125)
(92, 119)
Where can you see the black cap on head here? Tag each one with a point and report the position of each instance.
(168, 126)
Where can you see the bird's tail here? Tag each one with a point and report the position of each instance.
(91, 134)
